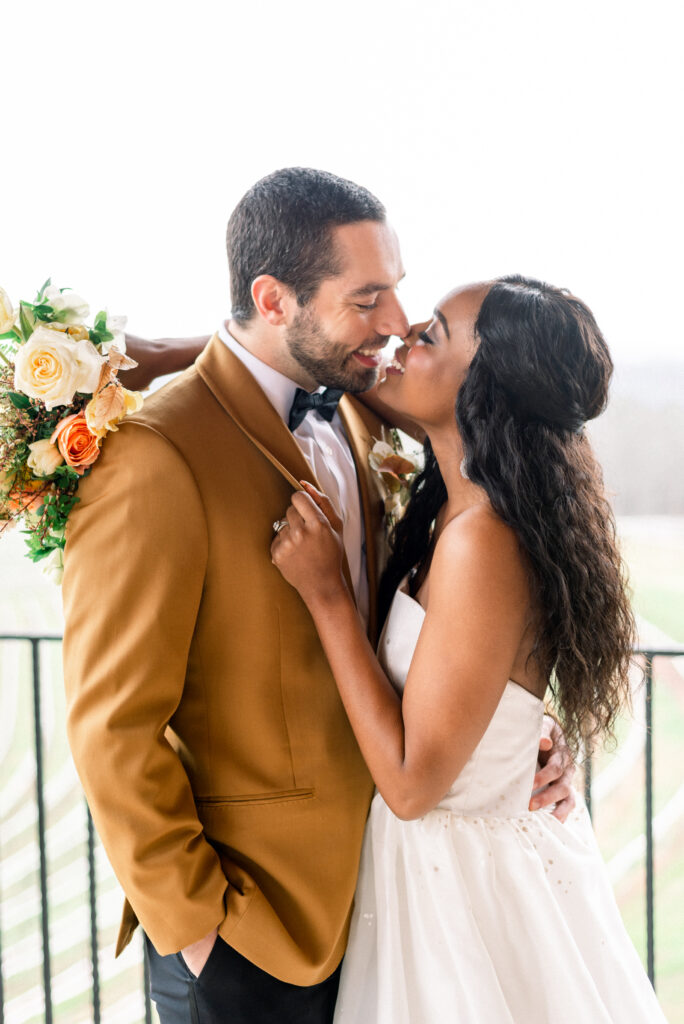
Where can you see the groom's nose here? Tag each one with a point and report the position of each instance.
(391, 318)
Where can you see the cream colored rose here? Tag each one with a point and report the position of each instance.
(6, 312)
(111, 405)
(77, 332)
(52, 367)
(72, 309)
(45, 457)
(53, 565)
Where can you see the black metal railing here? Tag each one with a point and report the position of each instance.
(647, 654)
(35, 640)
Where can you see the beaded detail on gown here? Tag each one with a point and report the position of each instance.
(483, 912)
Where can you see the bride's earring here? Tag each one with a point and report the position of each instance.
(463, 470)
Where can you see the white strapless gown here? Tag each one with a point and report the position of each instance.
(483, 912)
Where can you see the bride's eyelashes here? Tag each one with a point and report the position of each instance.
(426, 338)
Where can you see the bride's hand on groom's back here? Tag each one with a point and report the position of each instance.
(309, 551)
(553, 781)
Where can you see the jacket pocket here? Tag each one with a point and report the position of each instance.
(279, 797)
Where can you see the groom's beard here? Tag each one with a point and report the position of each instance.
(329, 362)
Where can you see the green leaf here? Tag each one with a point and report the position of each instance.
(36, 556)
(98, 337)
(19, 401)
(43, 311)
(47, 284)
(10, 335)
(26, 320)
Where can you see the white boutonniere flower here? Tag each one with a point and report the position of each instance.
(395, 469)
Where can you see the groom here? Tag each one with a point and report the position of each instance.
(222, 774)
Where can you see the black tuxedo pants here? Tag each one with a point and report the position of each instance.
(232, 990)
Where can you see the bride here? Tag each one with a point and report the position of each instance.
(504, 582)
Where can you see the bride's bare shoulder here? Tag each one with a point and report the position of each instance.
(478, 549)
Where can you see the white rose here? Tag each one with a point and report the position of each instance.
(90, 363)
(53, 565)
(71, 307)
(52, 367)
(45, 457)
(6, 312)
(378, 453)
(117, 325)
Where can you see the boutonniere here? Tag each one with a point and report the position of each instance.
(394, 469)
(59, 398)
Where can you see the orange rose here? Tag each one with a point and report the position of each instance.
(76, 442)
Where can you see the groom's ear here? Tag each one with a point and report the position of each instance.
(273, 299)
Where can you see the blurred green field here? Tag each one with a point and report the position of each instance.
(654, 551)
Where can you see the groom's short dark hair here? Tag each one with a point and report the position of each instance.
(282, 226)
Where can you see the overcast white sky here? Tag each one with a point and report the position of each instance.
(535, 136)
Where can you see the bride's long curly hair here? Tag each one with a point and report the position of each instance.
(541, 370)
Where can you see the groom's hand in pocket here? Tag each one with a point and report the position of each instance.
(197, 953)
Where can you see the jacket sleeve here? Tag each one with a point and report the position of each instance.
(135, 562)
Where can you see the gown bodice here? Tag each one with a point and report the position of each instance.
(497, 779)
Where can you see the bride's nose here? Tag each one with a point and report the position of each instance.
(414, 330)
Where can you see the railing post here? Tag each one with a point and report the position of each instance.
(92, 891)
(146, 984)
(650, 953)
(38, 737)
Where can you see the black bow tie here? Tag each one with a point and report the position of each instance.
(324, 403)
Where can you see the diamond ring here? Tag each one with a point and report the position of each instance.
(279, 525)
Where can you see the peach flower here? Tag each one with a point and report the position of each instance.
(19, 494)
(109, 406)
(79, 446)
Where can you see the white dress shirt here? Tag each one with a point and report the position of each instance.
(326, 449)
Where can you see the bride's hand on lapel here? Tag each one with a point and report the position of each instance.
(308, 551)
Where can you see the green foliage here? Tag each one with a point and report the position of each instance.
(47, 530)
(26, 319)
(18, 400)
(41, 291)
(98, 334)
(65, 475)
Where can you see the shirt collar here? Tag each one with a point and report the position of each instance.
(278, 388)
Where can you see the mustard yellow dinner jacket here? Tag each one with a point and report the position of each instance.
(221, 771)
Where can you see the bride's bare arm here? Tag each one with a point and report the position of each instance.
(416, 746)
(159, 356)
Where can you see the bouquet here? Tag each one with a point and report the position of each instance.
(395, 471)
(59, 398)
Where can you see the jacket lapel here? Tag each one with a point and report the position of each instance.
(363, 427)
(237, 391)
